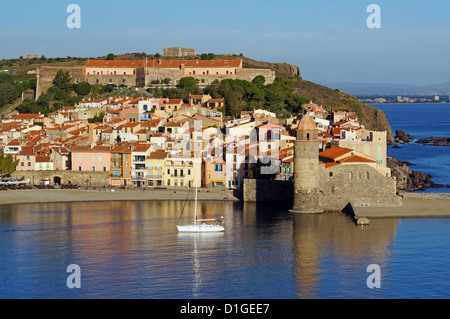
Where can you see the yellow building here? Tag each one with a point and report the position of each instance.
(214, 172)
(182, 171)
(156, 168)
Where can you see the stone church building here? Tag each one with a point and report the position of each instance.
(330, 180)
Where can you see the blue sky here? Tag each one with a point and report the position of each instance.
(328, 39)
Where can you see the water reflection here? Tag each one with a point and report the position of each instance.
(197, 244)
(133, 250)
(332, 254)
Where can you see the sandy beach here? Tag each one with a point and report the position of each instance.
(77, 195)
(415, 205)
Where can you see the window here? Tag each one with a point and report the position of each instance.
(331, 174)
(79, 168)
(22, 164)
(367, 175)
(29, 163)
(168, 172)
(350, 175)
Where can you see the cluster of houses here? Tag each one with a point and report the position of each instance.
(160, 142)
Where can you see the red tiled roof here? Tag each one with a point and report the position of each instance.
(162, 63)
(356, 159)
(27, 116)
(331, 164)
(334, 152)
(157, 155)
(42, 159)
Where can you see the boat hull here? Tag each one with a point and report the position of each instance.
(201, 228)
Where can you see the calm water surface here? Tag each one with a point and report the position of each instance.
(133, 250)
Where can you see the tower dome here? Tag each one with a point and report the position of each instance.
(306, 130)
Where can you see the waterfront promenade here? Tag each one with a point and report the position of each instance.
(101, 194)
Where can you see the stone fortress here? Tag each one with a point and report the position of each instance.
(141, 73)
(329, 181)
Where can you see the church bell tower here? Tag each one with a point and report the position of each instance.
(306, 168)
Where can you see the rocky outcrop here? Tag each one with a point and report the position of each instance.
(407, 179)
(435, 141)
(402, 137)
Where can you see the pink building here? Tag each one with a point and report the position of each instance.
(91, 158)
(122, 113)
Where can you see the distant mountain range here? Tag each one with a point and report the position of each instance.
(389, 89)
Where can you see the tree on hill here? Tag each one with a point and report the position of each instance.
(207, 56)
(241, 95)
(9, 90)
(83, 88)
(110, 56)
(62, 80)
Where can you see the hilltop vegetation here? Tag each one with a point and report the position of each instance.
(11, 88)
(283, 97)
(371, 117)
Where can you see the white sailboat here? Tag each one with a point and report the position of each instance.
(199, 225)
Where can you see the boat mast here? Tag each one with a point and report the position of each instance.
(195, 208)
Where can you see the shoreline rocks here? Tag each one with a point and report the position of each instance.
(402, 138)
(407, 179)
(435, 141)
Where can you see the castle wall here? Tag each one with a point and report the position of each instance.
(204, 79)
(260, 190)
(128, 80)
(178, 52)
(47, 74)
(80, 178)
(362, 185)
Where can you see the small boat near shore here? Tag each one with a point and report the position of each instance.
(200, 225)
